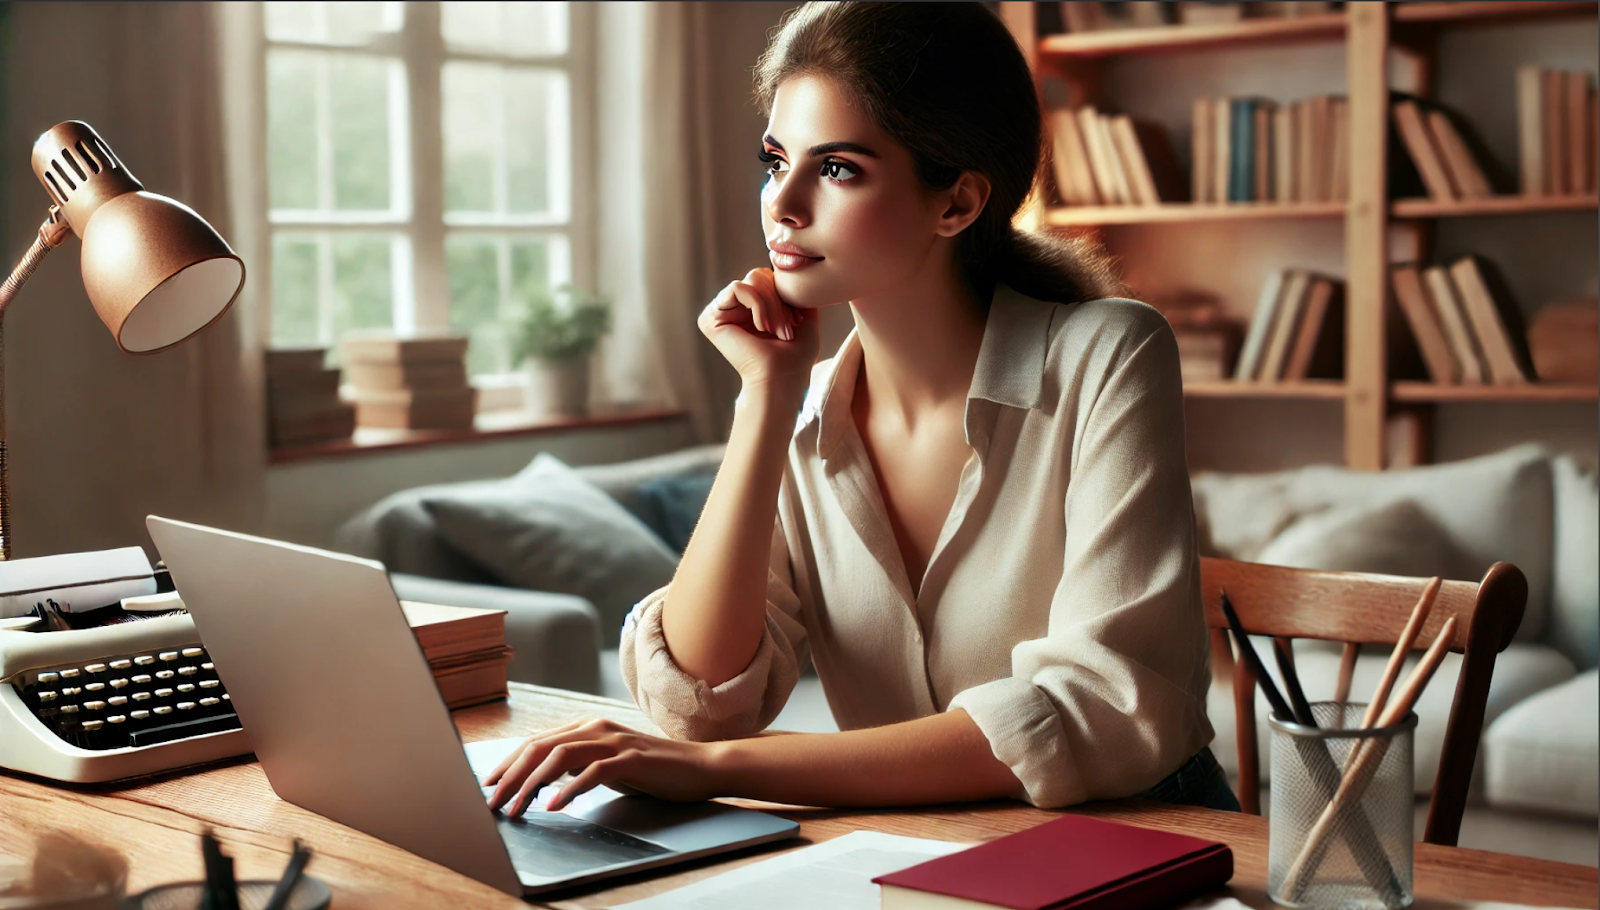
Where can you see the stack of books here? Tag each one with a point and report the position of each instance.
(1102, 159)
(1255, 150)
(1208, 340)
(466, 650)
(1466, 327)
(1557, 136)
(409, 383)
(1438, 148)
(1297, 331)
(303, 398)
(1079, 16)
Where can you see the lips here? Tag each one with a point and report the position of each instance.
(788, 256)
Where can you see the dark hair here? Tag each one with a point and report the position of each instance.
(949, 83)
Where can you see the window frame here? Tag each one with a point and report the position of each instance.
(421, 281)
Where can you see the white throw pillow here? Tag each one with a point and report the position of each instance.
(1392, 538)
(1574, 626)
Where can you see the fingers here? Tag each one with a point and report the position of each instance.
(600, 772)
(753, 303)
(562, 758)
(511, 757)
(513, 773)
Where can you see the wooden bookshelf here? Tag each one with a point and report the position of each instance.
(1187, 213)
(1488, 13)
(1431, 393)
(1384, 46)
(1309, 389)
(1174, 38)
(1496, 205)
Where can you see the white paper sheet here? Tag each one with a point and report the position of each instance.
(83, 581)
(835, 874)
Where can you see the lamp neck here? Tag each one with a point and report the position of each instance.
(52, 234)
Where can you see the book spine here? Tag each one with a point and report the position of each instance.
(1200, 146)
(1169, 886)
(1241, 166)
(1530, 131)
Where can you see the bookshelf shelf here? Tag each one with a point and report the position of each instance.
(1485, 12)
(1497, 205)
(1313, 389)
(1174, 38)
(1187, 213)
(1427, 392)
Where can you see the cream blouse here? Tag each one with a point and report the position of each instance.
(1061, 604)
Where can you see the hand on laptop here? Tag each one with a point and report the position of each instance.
(601, 752)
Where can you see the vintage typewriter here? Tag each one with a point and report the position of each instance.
(129, 692)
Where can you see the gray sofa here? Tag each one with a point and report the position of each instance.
(1535, 786)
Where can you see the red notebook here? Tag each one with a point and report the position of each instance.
(1072, 862)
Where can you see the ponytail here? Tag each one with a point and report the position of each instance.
(1052, 268)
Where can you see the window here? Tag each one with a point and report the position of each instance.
(426, 166)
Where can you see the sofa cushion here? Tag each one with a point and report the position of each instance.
(1392, 538)
(398, 532)
(1574, 626)
(1545, 752)
(551, 530)
(622, 480)
(674, 504)
(1520, 671)
(1493, 508)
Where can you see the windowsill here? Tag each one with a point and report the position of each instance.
(489, 426)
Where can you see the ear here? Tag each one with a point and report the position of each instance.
(963, 203)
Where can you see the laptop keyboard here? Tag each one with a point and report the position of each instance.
(553, 845)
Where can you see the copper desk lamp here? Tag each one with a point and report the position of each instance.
(155, 271)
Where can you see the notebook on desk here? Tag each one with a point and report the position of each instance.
(337, 698)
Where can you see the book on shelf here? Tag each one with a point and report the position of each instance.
(1073, 861)
(1208, 340)
(1466, 172)
(1564, 342)
(1148, 160)
(1069, 160)
(1339, 154)
(1495, 320)
(1201, 148)
(1102, 159)
(1285, 323)
(281, 361)
(408, 409)
(1423, 320)
(303, 398)
(424, 374)
(1318, 348)
(385, 347)
(319, 384)
(335, 420)
(465, 648)
(1249, 363)
(1412, 125)
(1283, 160)
(1556, 132)
(1247, 149)
(1112, 160)
(1453, 319)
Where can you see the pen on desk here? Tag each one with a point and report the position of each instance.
(291, 877)
(1291, 682)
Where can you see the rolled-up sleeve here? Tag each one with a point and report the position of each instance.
(685, 707)
(1112, 699)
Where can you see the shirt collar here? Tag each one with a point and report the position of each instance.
(1010, 368)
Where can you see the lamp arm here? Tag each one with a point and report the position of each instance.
(52, 234)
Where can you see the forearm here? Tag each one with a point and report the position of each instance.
(937, 759)
(716, 607)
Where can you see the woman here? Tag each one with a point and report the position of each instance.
(979, 514)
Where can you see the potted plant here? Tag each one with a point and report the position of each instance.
(558, 332)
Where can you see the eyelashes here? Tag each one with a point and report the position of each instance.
(833, 169)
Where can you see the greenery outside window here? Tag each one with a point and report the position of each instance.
(427, 166)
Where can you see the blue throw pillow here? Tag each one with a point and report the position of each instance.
(673, 505)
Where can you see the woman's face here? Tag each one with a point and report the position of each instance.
(844, 213)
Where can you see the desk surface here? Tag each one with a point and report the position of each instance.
(157, 823)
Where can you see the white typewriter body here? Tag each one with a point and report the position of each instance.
(113, 702)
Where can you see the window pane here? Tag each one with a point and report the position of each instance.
(492, 277)
(294, 290)
(347, 95)
(506, 140)
(291, 130)
(471, 118)
(515, 28)
(332, 23)
(327, 283)
(359, 98)
(536, 139)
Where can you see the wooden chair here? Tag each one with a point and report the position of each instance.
(1360, 609)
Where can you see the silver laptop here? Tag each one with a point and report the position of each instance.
(337, 699)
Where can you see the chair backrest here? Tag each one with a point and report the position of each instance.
(1363, 609)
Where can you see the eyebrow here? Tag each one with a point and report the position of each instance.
(825, 148)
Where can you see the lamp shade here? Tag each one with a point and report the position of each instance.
(155, 271)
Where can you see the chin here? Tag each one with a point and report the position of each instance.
(806, 292)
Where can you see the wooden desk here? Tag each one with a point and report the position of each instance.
(157, 822)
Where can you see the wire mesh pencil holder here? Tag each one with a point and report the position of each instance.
(1339, 830)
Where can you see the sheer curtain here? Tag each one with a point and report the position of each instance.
(99, 438)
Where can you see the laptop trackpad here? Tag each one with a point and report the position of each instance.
(553, 845)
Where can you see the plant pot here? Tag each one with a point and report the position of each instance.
(559, 387)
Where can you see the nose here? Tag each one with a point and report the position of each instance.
(786, 202)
